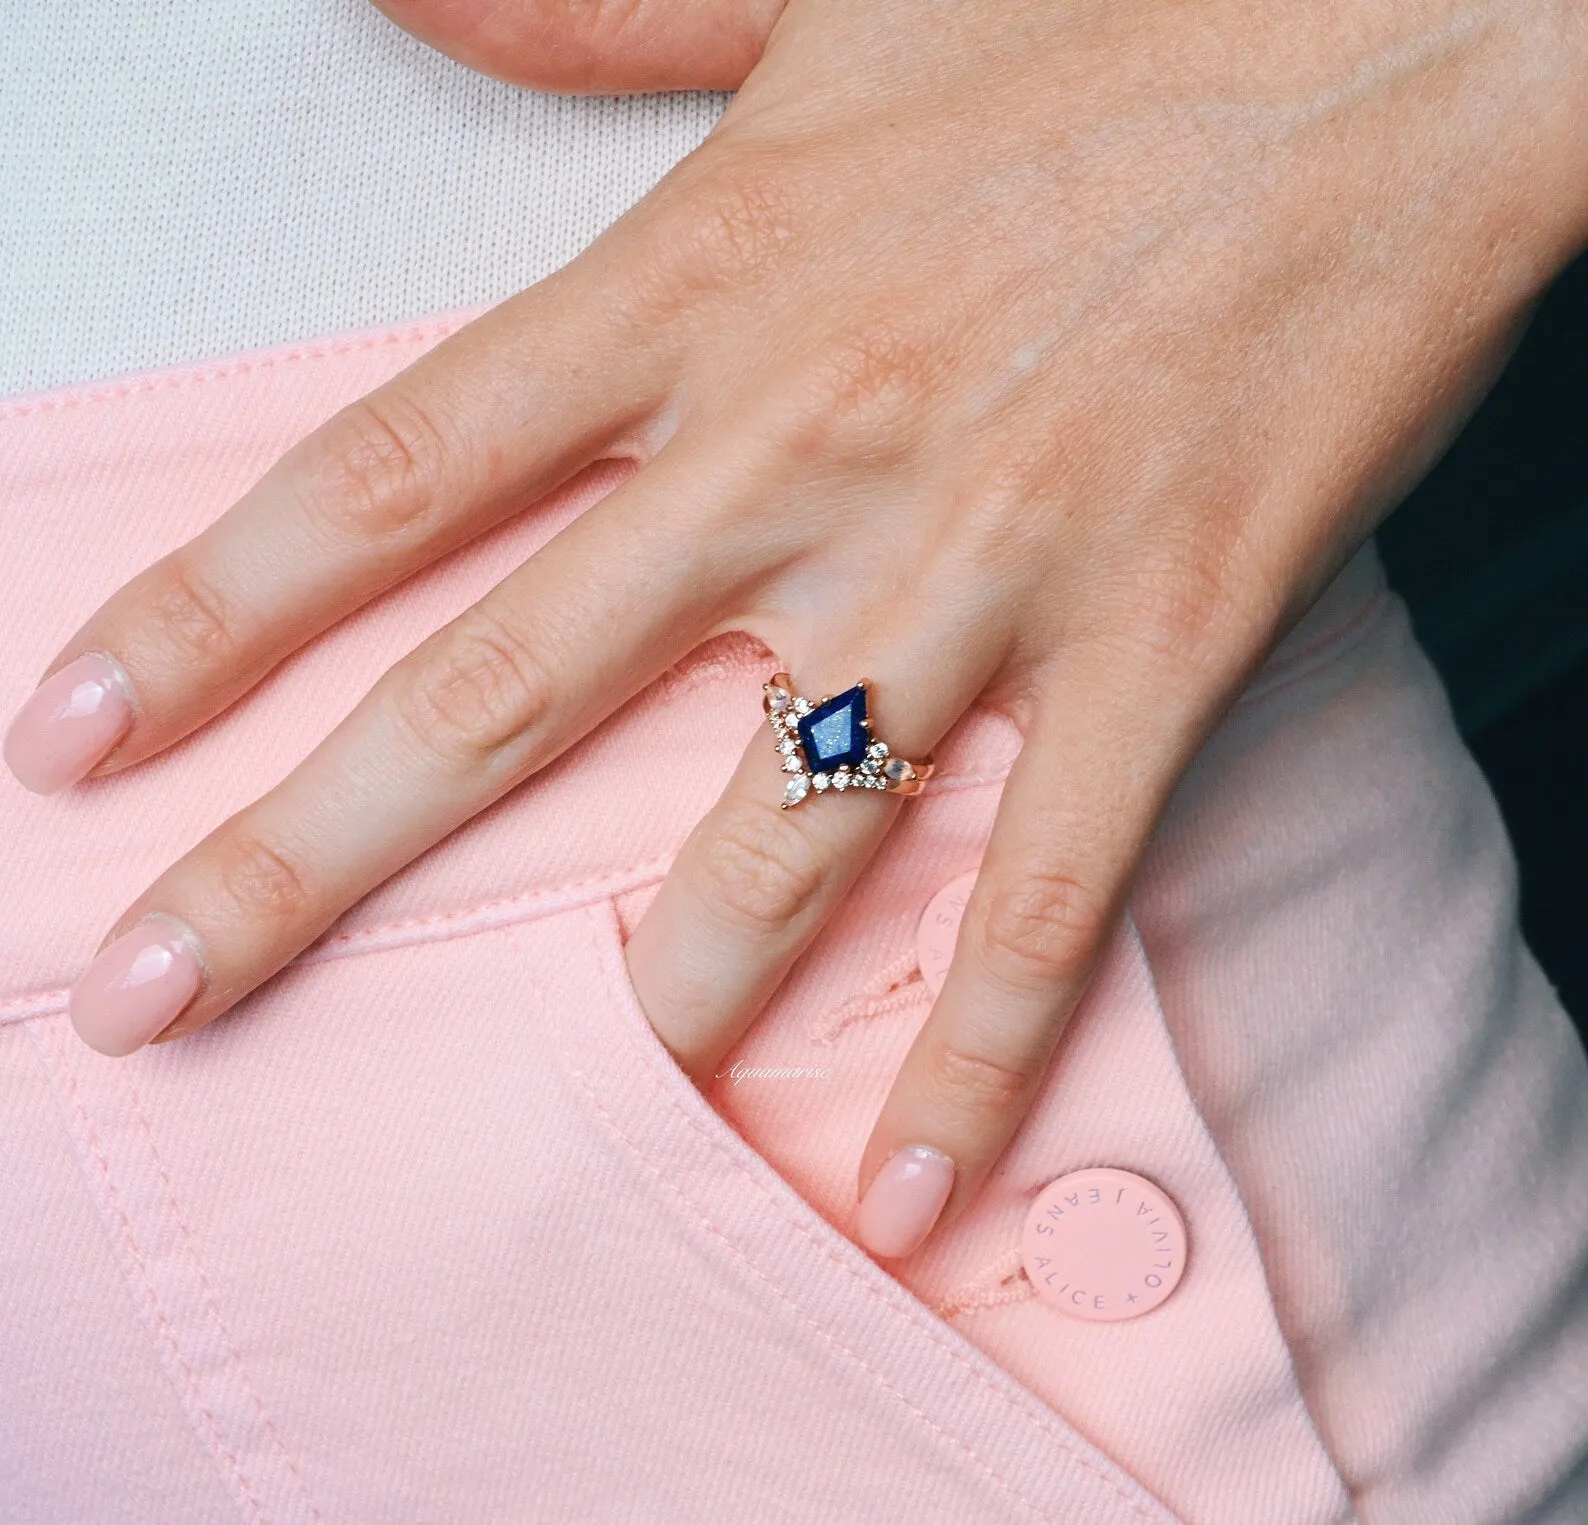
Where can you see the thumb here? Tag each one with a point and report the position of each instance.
(597, 47)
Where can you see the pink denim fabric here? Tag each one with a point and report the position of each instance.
(431, 1228)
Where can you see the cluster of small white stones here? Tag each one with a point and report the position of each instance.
(848, 778)
(781, 708)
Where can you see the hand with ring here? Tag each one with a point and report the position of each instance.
(1029, 352)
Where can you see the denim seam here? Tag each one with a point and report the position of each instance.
(461, 921)
(604, 954)
(146, 383)
(187, 1344)
(1254, 1241)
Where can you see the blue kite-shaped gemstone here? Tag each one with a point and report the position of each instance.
(834, 734)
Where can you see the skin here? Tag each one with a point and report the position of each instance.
(1051, 355)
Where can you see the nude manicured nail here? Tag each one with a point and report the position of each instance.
(904, 1200)
(136, 987)
(71, 720)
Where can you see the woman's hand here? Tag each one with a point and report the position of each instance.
(1048, 354)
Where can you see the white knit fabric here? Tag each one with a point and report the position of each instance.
(183, 178)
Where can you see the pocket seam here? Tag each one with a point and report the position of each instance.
(131, 1191)
(424, 332)
(607, 950)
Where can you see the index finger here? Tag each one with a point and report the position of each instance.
(471, 713)
(488, 421)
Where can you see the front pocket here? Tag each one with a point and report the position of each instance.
(1194, 1408)
(857, 1323)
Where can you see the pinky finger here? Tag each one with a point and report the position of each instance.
(1075, 816)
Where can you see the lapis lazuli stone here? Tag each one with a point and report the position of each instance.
(834, 734)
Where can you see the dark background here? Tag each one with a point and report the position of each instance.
(1491, 552)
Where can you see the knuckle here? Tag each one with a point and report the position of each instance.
(380, 464)
(1042, 930)
(727, 230)
(598, 25)
(1177, 614)
(864, 395)
(972, 1082)
(259, 877)
(1189, 597)
(570, 45)
(1010, 492)
(757, 868)
(470, 693)
(190, 613)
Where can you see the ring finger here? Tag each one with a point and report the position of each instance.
(755, 882)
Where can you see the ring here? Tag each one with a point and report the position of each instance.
(829, 745)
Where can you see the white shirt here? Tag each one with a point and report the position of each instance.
(185, 178)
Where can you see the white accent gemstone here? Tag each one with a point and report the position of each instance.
(777, 699)
(802, 706)
(788, 747)
(793, 765)
(797, 789)
(897, 769)
(840, 779)
(821, 781)
(876, 783)
(877, 749)
(870, 765)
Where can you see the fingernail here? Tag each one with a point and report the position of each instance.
(136, 987)
(905, 1199)
(71, 720)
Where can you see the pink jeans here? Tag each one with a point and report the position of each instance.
(431, 1228)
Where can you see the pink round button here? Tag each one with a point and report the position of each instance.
(1103, 1244)
(939, 928)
